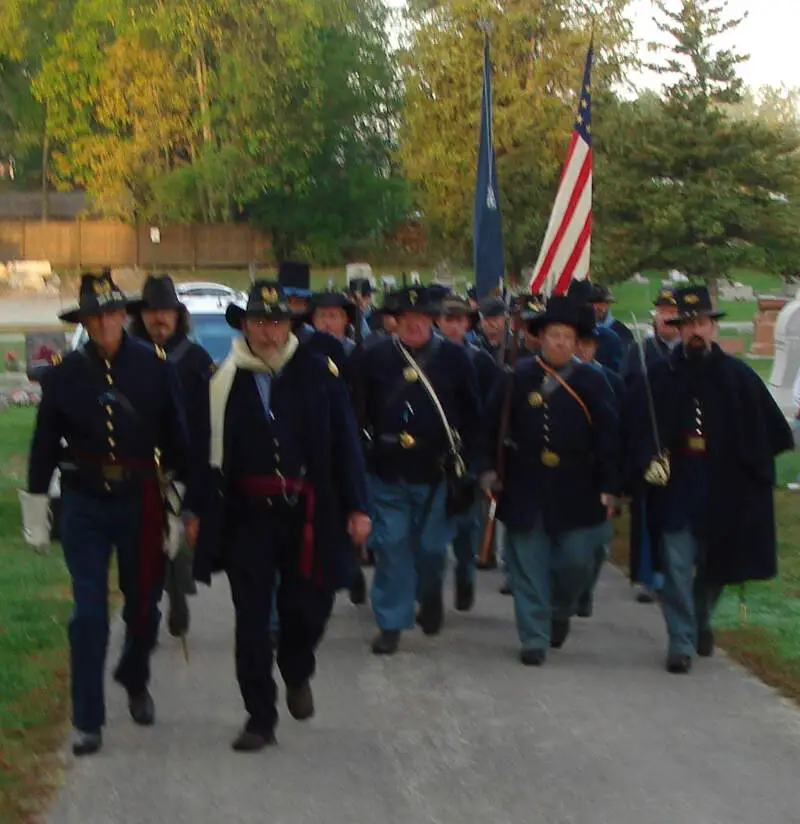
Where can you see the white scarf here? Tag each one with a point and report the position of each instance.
(240, 357)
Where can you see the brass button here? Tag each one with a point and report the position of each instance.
(109, 379)
(112, 457)
(112, 443)
(109, 410)
(107, 486)
(109, 426)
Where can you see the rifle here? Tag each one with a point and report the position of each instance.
(505, 422)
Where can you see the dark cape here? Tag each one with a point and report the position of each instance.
(744, 431)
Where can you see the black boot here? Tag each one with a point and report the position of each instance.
(585, 605)
(533, 657)
(431, 614)
(678, 664)
(705, 643)
(86, 743)
(386, 642)
(142, 708)
(465, 596)
(253, 738)
(358, 590)
(559, 630)
(300, 701)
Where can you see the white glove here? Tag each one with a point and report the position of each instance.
(35, 519)
(174, 538)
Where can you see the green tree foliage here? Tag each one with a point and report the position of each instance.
(213, 110)
(538, 52)
(723, 192)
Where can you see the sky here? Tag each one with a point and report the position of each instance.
(768, 35)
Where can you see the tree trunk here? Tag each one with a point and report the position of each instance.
(45, 165)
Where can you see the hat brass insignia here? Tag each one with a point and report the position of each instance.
(691, 299)
(410, 374)
(665, 295)
(101, 287)
(269, 295)
(535, 400)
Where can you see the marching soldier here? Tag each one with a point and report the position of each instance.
(601, 300)
(331, 315)
(493, 326)
(116, 402)
(559, 490)
(588, 341)
(159, 317)
(285, 491)
(610, 344)
(361, 292)
(454, 323)
(706, 450)
(644, 564)
(423, 415)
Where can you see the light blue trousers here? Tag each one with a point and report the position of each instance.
(548, 575)
(410, 548)
(688, 598)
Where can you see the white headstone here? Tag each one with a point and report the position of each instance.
(388, 281)
(415, 278)
(787, 346)
(29, 274)
(735, 291)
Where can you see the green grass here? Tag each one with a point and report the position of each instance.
(637, 298)
(34, 606)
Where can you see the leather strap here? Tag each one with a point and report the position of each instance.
(555, 376)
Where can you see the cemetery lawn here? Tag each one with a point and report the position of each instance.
(34, 608)
(766, 639)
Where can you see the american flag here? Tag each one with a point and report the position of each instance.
(565, 253)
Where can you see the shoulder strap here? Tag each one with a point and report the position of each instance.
(177, 354)
(556, 377)
(423, 379)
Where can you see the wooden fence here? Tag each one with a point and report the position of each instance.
(93, 243)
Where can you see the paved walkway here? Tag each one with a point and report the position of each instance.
(453, 731)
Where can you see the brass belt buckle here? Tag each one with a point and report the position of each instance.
(407, 440)
(112, 472)
(550, 458)
(696, 443)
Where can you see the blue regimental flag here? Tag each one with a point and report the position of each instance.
(487, 240)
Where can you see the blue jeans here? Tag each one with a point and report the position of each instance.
(548, 576)
(465, 543)
(410, 548)
(91, 527)
(688, 599)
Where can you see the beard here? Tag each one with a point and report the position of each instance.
(696, 347)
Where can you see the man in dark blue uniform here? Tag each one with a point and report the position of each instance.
(361, 292)
(117, 404)
(709, 465)
(561, 481)
(454, 323)
(610, 346)
(588, 340)
(285, 491)
(331, 315)
(601, 300)
(159, 317)
(644, 565)
(412, 449)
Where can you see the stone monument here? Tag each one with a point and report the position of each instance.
(769, 307)
(787, 355)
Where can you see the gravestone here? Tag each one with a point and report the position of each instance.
(735, 291)
(29, 274)
(765, 323)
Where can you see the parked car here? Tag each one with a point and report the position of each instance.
(206, 303)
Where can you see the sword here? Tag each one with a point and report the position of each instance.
(658, 472)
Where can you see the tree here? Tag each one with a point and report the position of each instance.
(721, 193)
(538, 51)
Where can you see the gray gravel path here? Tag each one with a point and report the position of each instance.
(453, 731)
